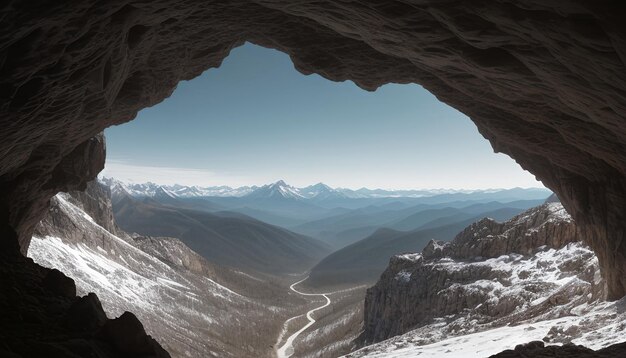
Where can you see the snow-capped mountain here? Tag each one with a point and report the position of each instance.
(179, 191)
(321, 191)
(316, 192)
(280, 189)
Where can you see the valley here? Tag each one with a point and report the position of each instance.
(204, 275)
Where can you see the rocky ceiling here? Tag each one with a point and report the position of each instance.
(544, 81)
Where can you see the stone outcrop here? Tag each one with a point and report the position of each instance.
(545, 226)
(490, 275)
(544, 81)
(94, 201)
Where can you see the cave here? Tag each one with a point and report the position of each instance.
(544, 82)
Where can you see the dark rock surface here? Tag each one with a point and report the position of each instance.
(127, 335)
(59, 284)
(544, 81)
(537, 350)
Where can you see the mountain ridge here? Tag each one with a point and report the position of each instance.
(307, 192)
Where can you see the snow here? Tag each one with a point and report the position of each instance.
(410, 257)
(92, 271)
(176, 190)
(123, 276)
(603, 322)
(222, 288)
(558, 212)
(403, 276)
(89, 225)
(476, 345)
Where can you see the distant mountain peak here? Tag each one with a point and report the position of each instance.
(321, 191)
(277, 190)
(320, 186)
(280, 183)
(164, 193)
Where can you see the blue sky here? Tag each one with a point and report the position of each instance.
(255, 120)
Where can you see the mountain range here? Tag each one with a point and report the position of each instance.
(294, 208)
(316, 192)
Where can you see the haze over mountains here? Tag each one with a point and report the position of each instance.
(277, 228)
(319, 191)
(227, 238)
(336, 216)
(363, 261)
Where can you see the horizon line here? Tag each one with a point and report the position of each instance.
(133, 182)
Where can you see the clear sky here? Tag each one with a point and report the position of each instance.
(256, 120)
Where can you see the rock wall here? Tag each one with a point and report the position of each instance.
(489, 274)
(544, 81)
(95, 201)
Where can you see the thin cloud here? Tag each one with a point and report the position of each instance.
(167, 175)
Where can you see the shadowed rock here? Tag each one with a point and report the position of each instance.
(127, 335)
(538, 350)
(59, 284)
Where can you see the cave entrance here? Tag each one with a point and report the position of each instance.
(235, 154)
(543, 82)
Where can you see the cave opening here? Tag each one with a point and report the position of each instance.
(543, 82)
(254, 122)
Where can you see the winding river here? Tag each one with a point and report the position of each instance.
(286, 350)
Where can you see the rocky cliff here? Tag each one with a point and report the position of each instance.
(490, 274)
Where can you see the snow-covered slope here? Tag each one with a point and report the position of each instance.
(280, 189)
(495, 286)
(601, 323)
(175, 292)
